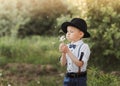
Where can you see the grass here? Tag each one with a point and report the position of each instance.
(50, 80)
(34, 61)
(30, 50)
(97, 77)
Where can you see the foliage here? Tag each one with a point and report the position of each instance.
(77, 8)
(11, 18)
(29, 49)
(29, 17)
(99, 78)
(103, 20)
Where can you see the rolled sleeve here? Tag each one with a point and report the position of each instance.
(86, 50)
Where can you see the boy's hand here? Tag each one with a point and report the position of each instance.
(63, 48)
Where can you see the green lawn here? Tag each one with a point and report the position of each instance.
(34, 61)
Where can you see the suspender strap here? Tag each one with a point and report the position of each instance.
(80, 60)
(79, 49)
(81, 56)
(82, 53)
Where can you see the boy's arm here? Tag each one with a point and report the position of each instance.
(62, 49)
(63, 59)
(65, 50)
(85, 58)
(74, 59)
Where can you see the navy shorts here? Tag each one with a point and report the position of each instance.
(79, 81)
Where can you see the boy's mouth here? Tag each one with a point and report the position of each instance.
(67, 37)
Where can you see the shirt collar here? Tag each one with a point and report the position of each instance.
(78, 42)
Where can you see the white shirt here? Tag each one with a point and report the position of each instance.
(80, 47)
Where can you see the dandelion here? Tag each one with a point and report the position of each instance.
(62, 38)
(38, 82)
(9, 84)
(1, 74)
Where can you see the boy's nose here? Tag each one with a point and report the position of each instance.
(68, 33)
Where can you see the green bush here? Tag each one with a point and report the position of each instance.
(103, 20)
(30, 17)
(99, 78)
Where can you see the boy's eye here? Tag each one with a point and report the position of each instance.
(71, 31)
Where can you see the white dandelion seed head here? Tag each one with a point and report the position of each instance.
(9, 84)
(62, 38)
(1, 74)
(38, 82)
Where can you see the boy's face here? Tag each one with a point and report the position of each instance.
(73, 34)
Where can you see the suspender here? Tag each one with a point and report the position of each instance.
(79, 49)
(81, 56)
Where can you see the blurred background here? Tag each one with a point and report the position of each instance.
(29, 40)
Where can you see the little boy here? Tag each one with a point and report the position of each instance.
(75, 54)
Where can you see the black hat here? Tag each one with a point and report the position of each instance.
(79, 24)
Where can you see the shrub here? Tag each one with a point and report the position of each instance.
(99, 78)
(103, 20)
(29, 17)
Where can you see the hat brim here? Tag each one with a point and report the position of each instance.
(66, 24)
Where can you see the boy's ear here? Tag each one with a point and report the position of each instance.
(81, 33)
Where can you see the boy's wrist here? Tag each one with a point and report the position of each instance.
(68, 51)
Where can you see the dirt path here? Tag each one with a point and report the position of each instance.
(23, 73)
